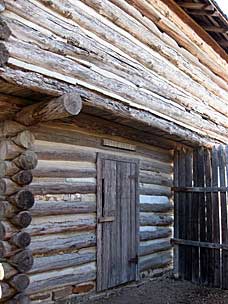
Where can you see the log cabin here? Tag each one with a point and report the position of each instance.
(96, 97)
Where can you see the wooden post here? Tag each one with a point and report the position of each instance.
(60, 107)
(17, 161)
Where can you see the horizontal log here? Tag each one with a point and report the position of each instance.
(25, 139)
(149, 247)
(155, 207)
(46, 151)
(23, 200)
(9, 150)
(57, 108)
(62, 261)
(59, 242)
(150, 189)
(61, 188)
(155, 260)
(63, 169)
(139, 117)
(27, 160)
(155, 178)
(23, 178)
(84, 287)
(151, 219)
(22, 261)
(59, 224)
(7, 250)
(150, 233)
(46, 208)
(4, 54)
(61, 278)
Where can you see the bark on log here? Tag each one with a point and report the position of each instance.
(60, 107)
(27, 160)
(23, 200)
(19, 282)
(9, 150)
(24, 139)
(4, 54)
(21, 239)
(7, 250)
(23, 178)
(23, 260)
(2, 168)
(157, 207)
(22, 219)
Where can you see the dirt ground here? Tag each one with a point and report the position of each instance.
(166, 290)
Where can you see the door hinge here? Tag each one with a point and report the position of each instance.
(134, 260)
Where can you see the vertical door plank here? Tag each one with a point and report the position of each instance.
(195, 221)
(133, 223)
(216, 221)
(99, 226)
(176, 213)
(188, 211)
(182, 214)
(202, 211)
(222, 164)
(209, 215)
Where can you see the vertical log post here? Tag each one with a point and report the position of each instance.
(17, 160)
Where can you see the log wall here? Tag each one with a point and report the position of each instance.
(63, 228)
(16, 162)
(97, 49)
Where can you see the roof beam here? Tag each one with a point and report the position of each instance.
(215, 29)
(200, 6)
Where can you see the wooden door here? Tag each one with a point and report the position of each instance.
(117, 221)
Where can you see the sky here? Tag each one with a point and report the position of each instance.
(224, 5)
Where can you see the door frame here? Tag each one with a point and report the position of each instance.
(101, 156)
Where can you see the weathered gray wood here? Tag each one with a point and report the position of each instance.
(62, 261)
(9, 150)
(60, 242)
(61, 188)
(10, 127)
(5, 32)
(27, 160)
(150, 247)
(21, 239)
(60, 107)
(22, 219)
(25, 139)
(155, 260)
(23, 177)
(19, 282)
(8, 187)
(24, 199)
(46, 208)
(20, 298)
(61, 278)
(7, 271)
(150, 233)
(151, 219)
(23, 260)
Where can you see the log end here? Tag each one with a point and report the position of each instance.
(24, 199)
(4, 54)
(72, 103)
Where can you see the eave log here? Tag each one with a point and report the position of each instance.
(57, 108)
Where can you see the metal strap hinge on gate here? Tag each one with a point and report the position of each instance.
(175, 241)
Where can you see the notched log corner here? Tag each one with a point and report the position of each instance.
(4, 54)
